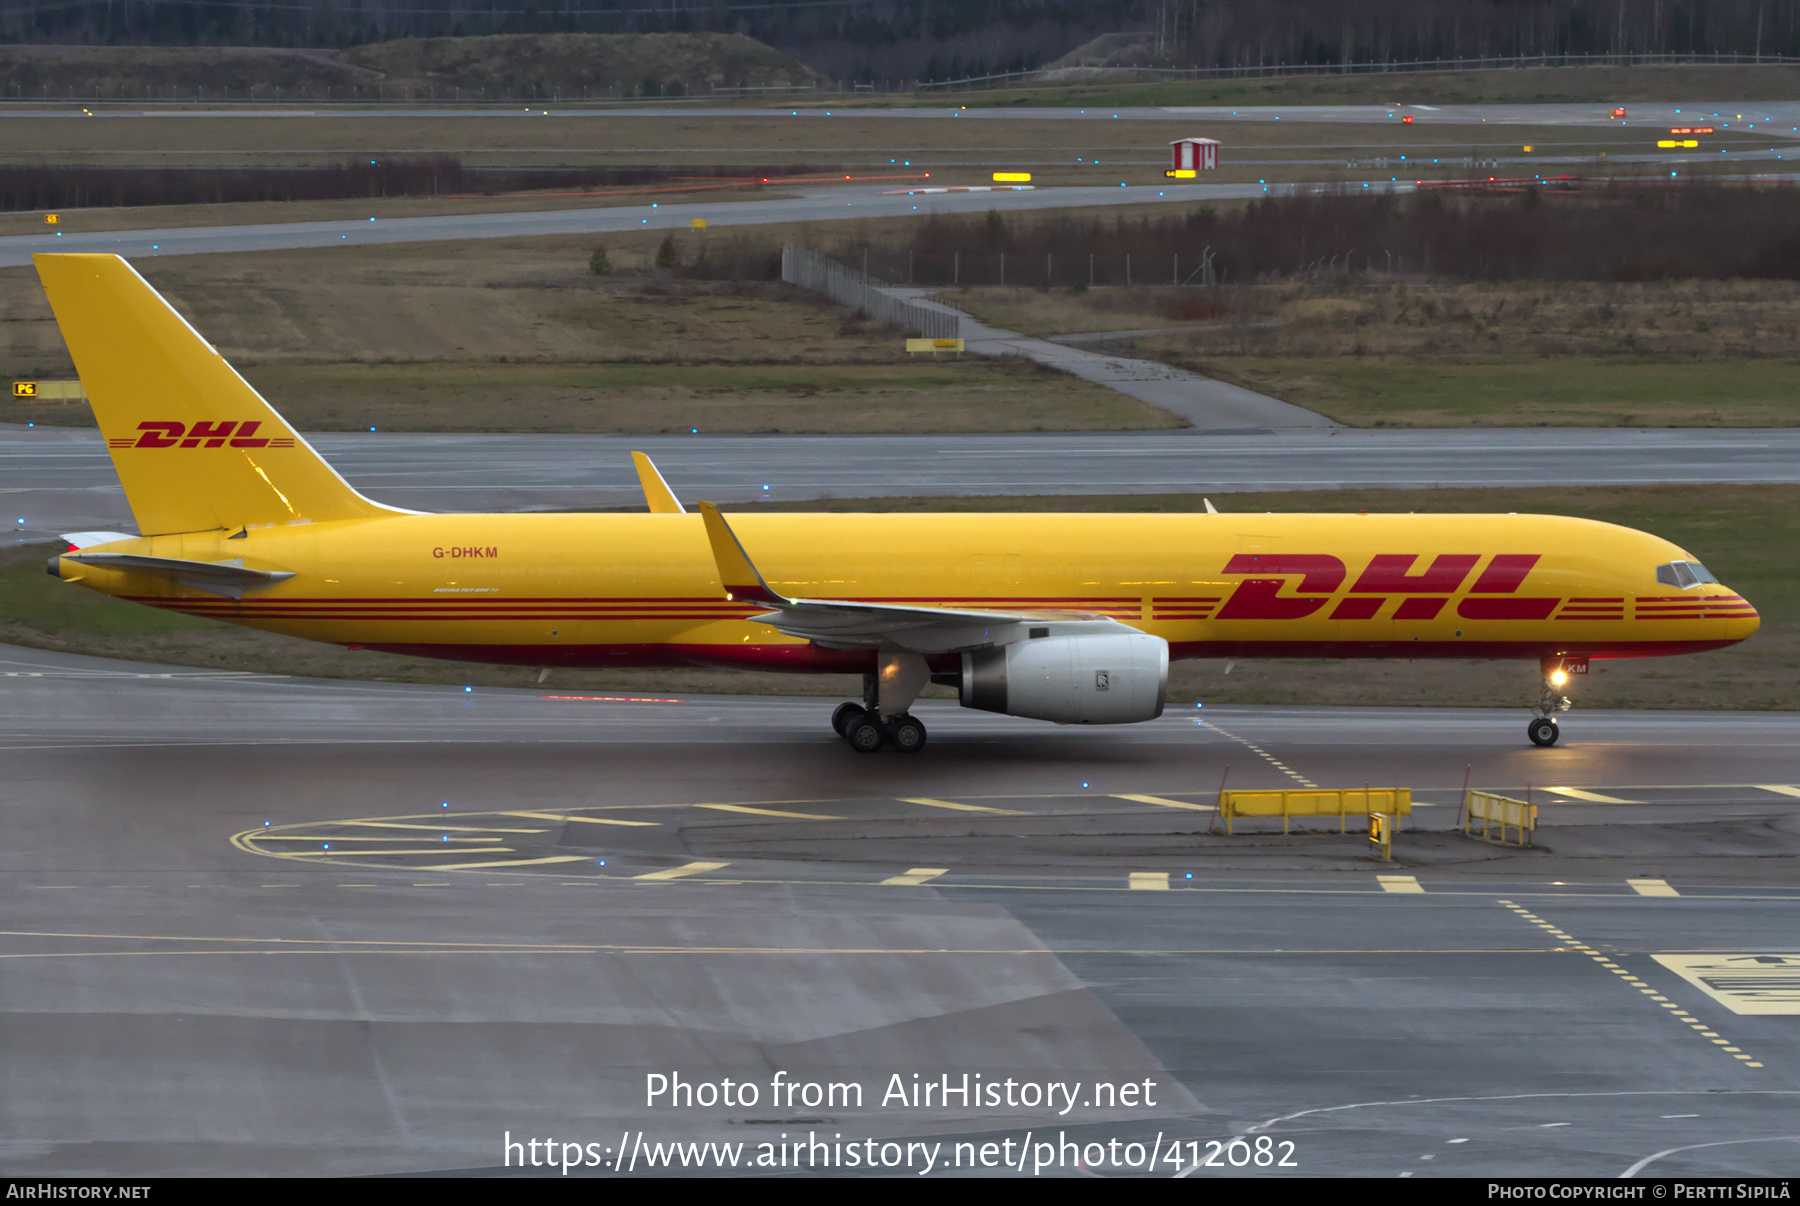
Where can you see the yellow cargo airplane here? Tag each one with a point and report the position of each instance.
(1066, 618)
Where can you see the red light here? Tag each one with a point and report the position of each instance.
(1407, 120)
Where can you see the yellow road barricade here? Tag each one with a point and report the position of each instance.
(1315, 802)
(1508, 813)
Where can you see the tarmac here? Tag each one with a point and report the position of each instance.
(195, 984)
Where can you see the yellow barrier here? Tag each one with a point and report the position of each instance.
(1315, 802)
(934, 346)
(1489, 808)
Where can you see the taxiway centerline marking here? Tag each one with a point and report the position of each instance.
(338, 837)
(1592, 797)
(1780, 789)
(517, 862)
(435, 828)
(1399, 883)
(369, 853)
(551, 816)
(1158, 800)
(681, 871)
(916, 876)
(930, 803)
(1652, 887)
(1680, 1015)
(1150, 881)
(766, 812)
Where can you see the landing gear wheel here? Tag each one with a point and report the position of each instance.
(865, 733)
(844, 714)
(1542, 731)
(906, 734)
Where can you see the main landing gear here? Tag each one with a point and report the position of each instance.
(868, 726)
(1542, 730)
(866, 732)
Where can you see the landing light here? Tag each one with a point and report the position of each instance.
(1559, 677)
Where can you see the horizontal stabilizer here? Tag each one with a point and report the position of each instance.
(228, 578)
(82, 540)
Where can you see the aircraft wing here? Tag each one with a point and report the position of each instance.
(850, 624)
(228, 578)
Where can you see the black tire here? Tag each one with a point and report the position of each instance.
(906, 734)
(843, 715)
(865, 733)
(1542, 731)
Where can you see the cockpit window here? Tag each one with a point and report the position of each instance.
(1683, 574)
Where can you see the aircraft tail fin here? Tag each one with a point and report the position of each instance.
(196, 447)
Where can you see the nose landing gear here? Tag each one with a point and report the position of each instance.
(1542, 729)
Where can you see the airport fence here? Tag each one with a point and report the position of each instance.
(808, 269)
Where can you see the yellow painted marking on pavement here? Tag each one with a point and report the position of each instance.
(552, 816)
(516, 862)
(1594, 797)
(1745, 984)
(929, 803)
(1154, 881)
(439, 828)
(335, 837)
(53, 887)
(917, 875)
(684, 869)
(766, 812)
(1652, 887)
(1780, 789)
(369, 853)
(1399, 883)
(1158, 800)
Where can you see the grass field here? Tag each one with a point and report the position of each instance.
(1745, 534)
(516, 335)
(1687, 353)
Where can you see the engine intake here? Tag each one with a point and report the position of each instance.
(1117, 678)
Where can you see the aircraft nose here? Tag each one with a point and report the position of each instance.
(1740, 615)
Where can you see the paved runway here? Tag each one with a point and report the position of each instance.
(60, 479)
(175, 1002)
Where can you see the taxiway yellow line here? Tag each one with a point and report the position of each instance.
(1004, 812)
(1592, 797)
(1652, 887)
(1153, 881)
(1399, 883)
(516, 862)
(684, 870)
(765, 812)
(1158, 800)
(441, 828)
(916, 876)
(1780, 789)
(368, 853)
(551, 816)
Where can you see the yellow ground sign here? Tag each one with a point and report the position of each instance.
(1181, 173)
(49, 391)
(934, 345)
(1012, 177)
(698, 224)
(1748, 984)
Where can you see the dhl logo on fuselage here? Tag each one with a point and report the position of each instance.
(1387, 574)
(166, 433)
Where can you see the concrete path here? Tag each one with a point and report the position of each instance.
(1213, 407)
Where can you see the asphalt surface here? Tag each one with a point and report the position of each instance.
(195, 985)
(60, 479)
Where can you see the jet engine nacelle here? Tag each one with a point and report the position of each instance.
(1111, 678)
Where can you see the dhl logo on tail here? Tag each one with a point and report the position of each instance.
(167, 433)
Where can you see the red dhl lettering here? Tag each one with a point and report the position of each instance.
(467, 550)
(1260, 598)
(166, 433)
